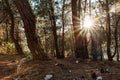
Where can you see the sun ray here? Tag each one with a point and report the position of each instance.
(88, 23)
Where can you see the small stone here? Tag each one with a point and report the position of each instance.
(77, 62)
(99, 78)
(56, 64)
(48, 77)
(107, 71)
(70, 71)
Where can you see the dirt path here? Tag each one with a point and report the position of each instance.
(66, 69)
(8, 65)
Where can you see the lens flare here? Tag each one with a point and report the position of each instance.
(88, 22)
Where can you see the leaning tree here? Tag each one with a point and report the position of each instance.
(33, 41)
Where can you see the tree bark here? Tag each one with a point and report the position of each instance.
(54, 28)
(34, 44)
(63, 29)
(108, 32)
(116, 39)
(16, 42)
(7, 32)
(80, 40)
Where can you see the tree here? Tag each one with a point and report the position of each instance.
(116, 38)
(63, 26)
(15, 40)
(80, 39)
(34, 44)
(108, 31)
(54, 28)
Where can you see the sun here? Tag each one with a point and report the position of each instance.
(88, 22)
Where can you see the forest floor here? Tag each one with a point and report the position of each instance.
(64, 69)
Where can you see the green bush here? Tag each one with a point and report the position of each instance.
(7, 48)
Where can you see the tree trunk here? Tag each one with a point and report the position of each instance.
(29, 21)
(80, 40)
(16, 42)
(7, 32)
(108, 32)
(63, 29)
(94, 48)
(54, 28)
(116, 39)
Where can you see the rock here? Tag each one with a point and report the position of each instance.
(99, 78)
(48, 77)
(70, 71)
(107, 71)
(76, 61)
